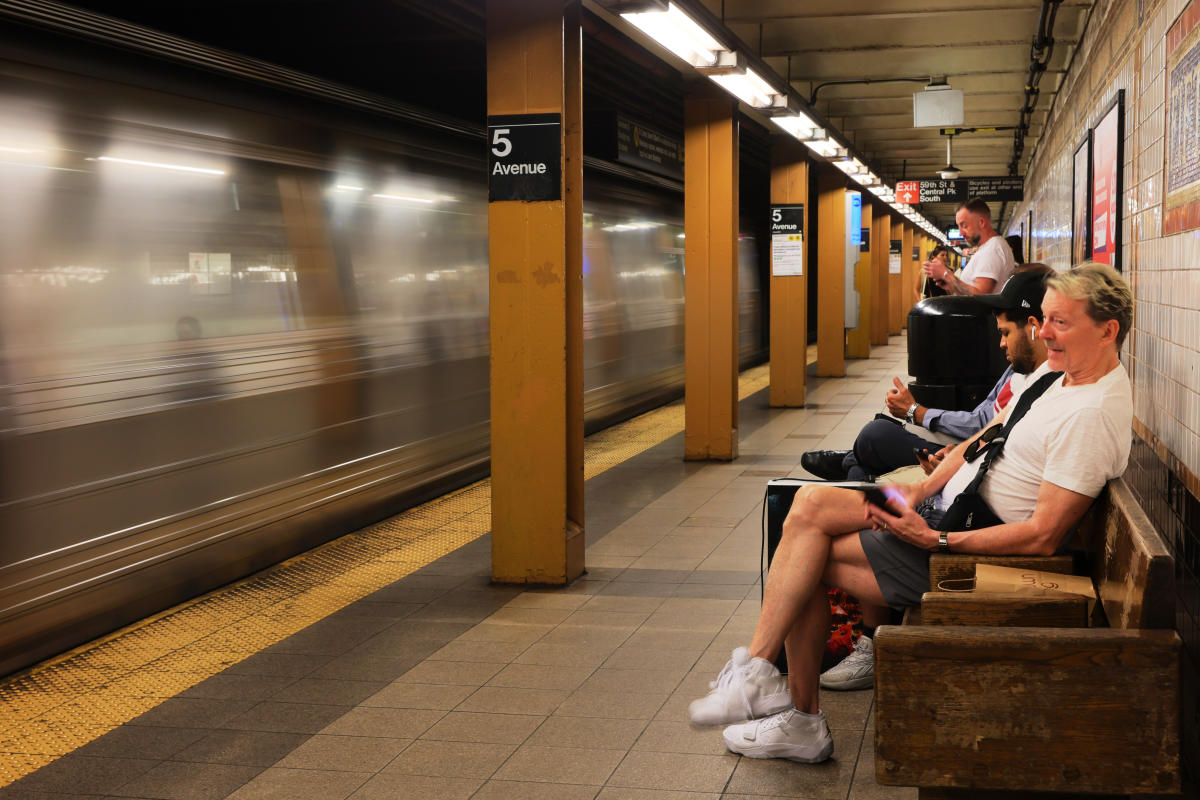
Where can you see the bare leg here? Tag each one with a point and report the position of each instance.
(805, 645)
(818, 514)
(818, 552)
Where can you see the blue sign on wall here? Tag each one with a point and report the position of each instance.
(855, 221)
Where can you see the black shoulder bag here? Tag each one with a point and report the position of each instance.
(970, 511)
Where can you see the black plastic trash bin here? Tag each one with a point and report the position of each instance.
(954, 352)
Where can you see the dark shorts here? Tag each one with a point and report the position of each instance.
(901, 570)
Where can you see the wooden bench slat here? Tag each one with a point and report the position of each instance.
(1064, 710)
(1003, 609)
(957, 566)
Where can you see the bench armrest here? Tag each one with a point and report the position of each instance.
(1051, 709)
(1004, 609)
(956, 566)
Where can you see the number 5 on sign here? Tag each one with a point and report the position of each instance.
(501, 144)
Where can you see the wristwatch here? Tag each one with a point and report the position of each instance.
(943, 542)
(911, 415)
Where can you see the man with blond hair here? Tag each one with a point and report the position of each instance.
(1069, 437)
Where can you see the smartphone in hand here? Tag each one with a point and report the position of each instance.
(876, 497)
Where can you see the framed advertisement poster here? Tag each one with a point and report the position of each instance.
(1181, 151)
(1107, 162)
(1081, 206)
(1029, 241)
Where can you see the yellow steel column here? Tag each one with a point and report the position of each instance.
(710, 256)
(895, 290)
(789, 293)
(858, 340)
(831, 273)
(534, 247)
(908, 279)
(881, 232)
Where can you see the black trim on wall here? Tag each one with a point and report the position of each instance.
(1175, 512)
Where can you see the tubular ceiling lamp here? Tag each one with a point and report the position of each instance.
(827, 147)
(800, 126)
(731, 74)
(676, 31)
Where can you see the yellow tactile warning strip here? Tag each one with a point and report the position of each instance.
(64, 703)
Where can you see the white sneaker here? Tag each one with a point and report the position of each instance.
(790, 734)
(747, 688)
(856, 671)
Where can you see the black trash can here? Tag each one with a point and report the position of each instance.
(954, 352)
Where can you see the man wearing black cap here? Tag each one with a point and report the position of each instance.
(883, 445)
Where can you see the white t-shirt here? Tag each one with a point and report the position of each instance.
(994, 260)
(1076, 437)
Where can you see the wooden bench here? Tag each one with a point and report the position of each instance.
(1012, 693)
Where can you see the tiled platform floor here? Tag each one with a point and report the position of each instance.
(444, 686)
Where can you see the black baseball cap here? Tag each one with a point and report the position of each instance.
(1023, 293)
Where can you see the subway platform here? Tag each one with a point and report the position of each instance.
(385, 665)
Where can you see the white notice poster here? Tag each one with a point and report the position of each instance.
(894, 264)
(787, 254)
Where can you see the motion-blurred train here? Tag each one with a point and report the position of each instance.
(245, 311)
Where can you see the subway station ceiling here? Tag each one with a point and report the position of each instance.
(827, 50)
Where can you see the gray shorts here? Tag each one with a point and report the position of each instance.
(901, 570)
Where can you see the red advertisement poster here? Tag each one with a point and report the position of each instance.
(1106, 185)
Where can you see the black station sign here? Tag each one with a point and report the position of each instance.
(916, 252)
(936, 190)
(866, 241)
(787, 219)
(650, 149)
(525, 157)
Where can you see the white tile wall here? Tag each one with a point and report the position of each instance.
(1164, 350)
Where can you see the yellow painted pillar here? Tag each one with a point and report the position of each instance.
(710, 254)
(858, 340)
(789, 293)
(535, 251)
(895, 299)
(881, 233)
(906, 269)
(831, 273)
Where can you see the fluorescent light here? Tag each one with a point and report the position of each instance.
(748, 87)
(829, 148)
(161, 165)
(677, 32)
(346, 187)
(799, 125)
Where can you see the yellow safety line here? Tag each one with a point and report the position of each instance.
(62, 704)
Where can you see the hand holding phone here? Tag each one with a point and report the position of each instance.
(876, 497)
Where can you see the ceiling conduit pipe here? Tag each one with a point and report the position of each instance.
(1040, 52)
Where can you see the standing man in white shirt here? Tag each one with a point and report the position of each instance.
(992, 263)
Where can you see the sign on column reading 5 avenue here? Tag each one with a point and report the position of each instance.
(525, 157)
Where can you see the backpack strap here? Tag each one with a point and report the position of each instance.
(996, 445)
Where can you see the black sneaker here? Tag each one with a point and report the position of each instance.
(825, 464)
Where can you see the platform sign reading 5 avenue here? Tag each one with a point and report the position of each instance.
(525, 157)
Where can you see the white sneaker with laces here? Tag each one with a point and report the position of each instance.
(789, 734)
(856, 671)
(747, 688)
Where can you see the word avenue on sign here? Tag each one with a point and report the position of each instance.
(787, 240)
(525, 157)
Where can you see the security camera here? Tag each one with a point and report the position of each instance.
(949, 172)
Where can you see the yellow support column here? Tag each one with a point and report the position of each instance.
(895, 277)
(789, 293)
(710, 253)
(858, 340)
(831, 273)
(906, 273)
(881, 232)
(534, 85)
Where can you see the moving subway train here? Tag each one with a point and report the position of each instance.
(239, 318)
